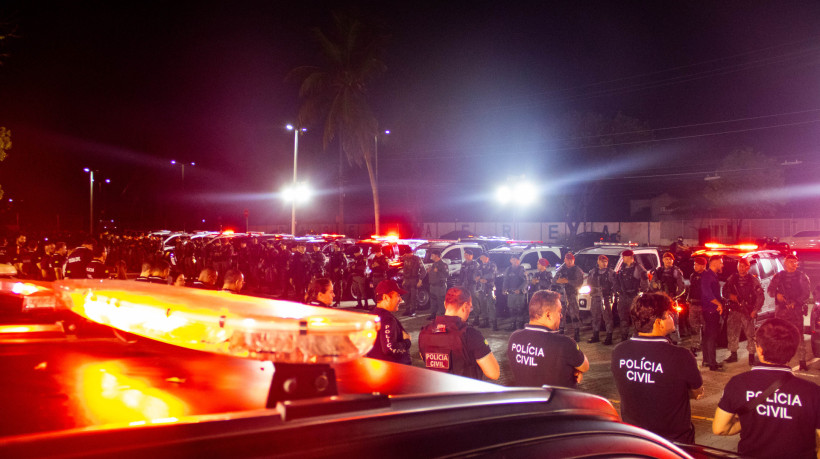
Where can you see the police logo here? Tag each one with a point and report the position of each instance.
(437, 361)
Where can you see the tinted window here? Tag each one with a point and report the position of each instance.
(551, 257)
(531, 258)
(587, 261)
(765, 267)
(647, 260)
(453, 254)
(501, 260)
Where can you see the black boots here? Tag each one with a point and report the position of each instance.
(732, 358)
(751, 359)
(594, 338)
(513, 327)
(577, 335)
(608, 340)
(803, 366)
(484, 323)
(495, 324)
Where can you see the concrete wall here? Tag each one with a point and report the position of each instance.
(651, 233)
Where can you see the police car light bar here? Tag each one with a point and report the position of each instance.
(221, 322)
(616, 244)
(743, 247)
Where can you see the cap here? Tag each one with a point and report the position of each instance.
(627, 253)
(715, 258)
(603, 258)
(484, 254)
(569, 256)
(791, 256)
(743, 261)
(669, 255)
(543, 262)
(386, 286)
(700, 260)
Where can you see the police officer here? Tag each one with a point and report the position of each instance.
(632, 279)
(542, 278)
(538, 354)
(655, 378)
(160, 270)
(712, 308)
(413, 275)
(233, 282)
(514, 285)
(776, 414)
(467, 279)
(437, 274)
(487, 272)
(695, 309)
(336, 265)
(601, 281)
(449, 345)
(299, 271)
(206, 280)
(96, 268)
(78, 259)
(572, 278)
(378, 265)
(790, 289)
(668, 279)
(392, 342)
(317, 261)
(320, 292)
(357, 267)
(745, 298)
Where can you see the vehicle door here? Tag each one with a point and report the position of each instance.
(454, 257)
(530, 262)
(765, 269)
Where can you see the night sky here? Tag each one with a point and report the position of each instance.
(470, 95)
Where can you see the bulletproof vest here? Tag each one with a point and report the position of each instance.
(468, 273)
(358, 265)
(694, 286)
(604, 281)
(665, 280)
(381, 269)
(336, 260)
(444, 348)
(543, 279)
(790, 285)
(630, 283)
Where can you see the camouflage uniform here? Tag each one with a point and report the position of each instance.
(485, 287)
(602, 289)
(575, 278)
(750, 299)
(515, 284)
(796, 290)
(413, 273)
(631, 281)
(695, 309)
(467, 279)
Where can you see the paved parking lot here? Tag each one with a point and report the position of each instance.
(598, 380)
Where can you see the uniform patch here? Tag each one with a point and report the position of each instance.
(437, 360)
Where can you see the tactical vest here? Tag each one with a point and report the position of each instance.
(443, 347)
(630, 284)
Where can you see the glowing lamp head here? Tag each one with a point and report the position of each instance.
(299, 193)
(503, 194)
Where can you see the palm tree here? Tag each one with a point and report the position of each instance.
(335, 93)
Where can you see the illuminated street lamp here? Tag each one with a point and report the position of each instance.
(518, 193)
(90, 173)
(182, 165)
(294, 187)
(296, 193)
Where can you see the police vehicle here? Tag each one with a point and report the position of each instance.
(587, 259)
(452, 254)
(528, 252)
(221, 375)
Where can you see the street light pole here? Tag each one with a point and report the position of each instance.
(296, 131)
(90, 200)
(181, 164)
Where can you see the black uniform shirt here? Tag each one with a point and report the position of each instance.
(390, 342)
(654, 378)
(76, 262)
(784, 424)
(97, 270)
(540, 356)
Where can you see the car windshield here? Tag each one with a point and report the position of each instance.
(501, 259)
(588, 261)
